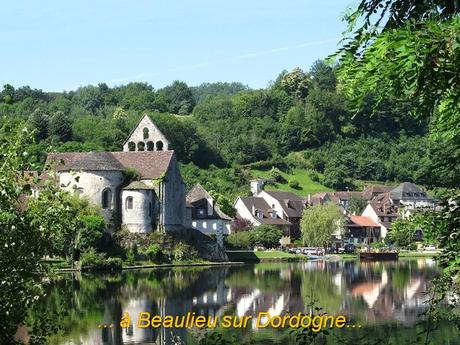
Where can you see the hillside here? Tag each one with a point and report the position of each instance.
(306, 185)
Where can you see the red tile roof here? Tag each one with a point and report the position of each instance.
(362, 221)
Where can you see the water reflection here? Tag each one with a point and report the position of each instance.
(369, 293)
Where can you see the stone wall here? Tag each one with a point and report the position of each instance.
(153, 141)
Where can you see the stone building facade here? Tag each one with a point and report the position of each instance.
(146, 136)
(154, 200)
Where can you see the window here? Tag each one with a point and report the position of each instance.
(106, 198)
(150, 146)
(150, 209)
(201, 212)
(159, 145)
(259, 214)
(140, 146)
(132, 146)
(129, 203)
(79, 191)
(146, 133)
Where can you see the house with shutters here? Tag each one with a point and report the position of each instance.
(155, 201)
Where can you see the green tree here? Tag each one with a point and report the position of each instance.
(39, 122)
(403, 231)
(296, 83)
(267, 236)
(319, 223)
(179, 98)
(356, 205)
(60, 126)
(27, 230)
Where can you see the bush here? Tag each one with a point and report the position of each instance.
(239, 240)
(294, 184)
(275, 174)
(184, 252)
(155, 253)
(314, 176)
(92, 232)
(92, 261)
(267, 236)
(132, 255)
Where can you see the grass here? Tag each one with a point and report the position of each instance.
(258, 256)
(307, 186)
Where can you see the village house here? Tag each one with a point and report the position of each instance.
(205, 214)
(282, 209)
(155, 200)
(259, 212)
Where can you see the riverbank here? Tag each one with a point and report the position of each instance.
(263, 256)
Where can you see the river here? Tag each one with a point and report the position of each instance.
(383, 299)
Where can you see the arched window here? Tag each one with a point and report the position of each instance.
(150, 146)
(140, 146)
(132, 146)
(150, 209)
(107, 198)
(146, 132)
(129, 203)
(159, 145)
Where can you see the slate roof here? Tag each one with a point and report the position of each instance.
(149, 164)
(260, 204)
(198, 193)
(384, 209)
(407, 190)
(292, 204)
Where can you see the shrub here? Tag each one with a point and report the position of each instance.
(275, 174)
(267, 236)
(92, 261)
(155, 253)
(183, 252)
(92, 232)
(132, 255)
(314, 176)
(294, 184)
(239, 240)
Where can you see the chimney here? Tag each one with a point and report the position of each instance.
(210, 207)
(257, 186)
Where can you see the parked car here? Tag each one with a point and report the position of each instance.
(313, 251)
(430, 247)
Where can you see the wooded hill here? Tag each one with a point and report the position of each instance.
(223, 133)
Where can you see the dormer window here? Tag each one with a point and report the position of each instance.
(273, 214)
(259, 214)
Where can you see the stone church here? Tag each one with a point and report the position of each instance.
(153, 201)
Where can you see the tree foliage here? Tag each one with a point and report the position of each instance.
(28, 227)
(319, 223)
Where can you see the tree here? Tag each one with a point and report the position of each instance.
(267, 236)
(356, 205)
(39, 122)
(60, 126)
(407, 50)
(323, 76)
(403, 231)
(296, 83)
(319, 223)
(179, 98)
(27, 229)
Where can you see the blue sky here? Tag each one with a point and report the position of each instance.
(60, 45)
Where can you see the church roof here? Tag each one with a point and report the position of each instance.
(97, 161)
(138, 185)
(149, 164)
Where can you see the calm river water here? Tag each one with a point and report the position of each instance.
(385, 298)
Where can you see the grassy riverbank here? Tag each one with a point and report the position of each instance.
(263, 256)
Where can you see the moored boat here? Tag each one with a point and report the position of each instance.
(379, 255)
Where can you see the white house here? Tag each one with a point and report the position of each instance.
(206, 215)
